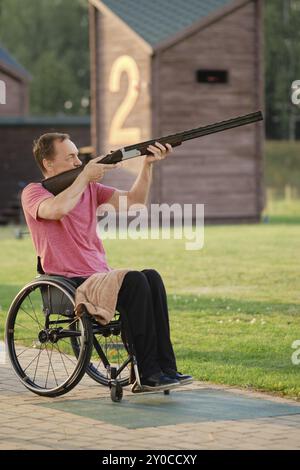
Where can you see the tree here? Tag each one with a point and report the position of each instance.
(282, 67)
(50, 39)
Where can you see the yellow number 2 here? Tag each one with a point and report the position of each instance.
(119, 135)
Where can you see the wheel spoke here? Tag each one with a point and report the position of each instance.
(22, 352)
(22, 308)
(40, 326)
(22, 326)
(37, 364)
(31, 362)
(50, 364)
(64, 354)
(62, 358)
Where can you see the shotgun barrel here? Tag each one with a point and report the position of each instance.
(59, 183)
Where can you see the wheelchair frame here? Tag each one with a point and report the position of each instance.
(52, 322)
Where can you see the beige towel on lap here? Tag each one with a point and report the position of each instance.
(99, 294)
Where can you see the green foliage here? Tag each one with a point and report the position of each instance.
(282, 67)
(50, 39)
(282, 164)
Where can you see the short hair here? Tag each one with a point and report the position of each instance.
(43, 147)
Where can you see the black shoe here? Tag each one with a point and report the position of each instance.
(158, 382)
(182, 378)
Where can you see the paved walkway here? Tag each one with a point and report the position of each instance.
(198, 416)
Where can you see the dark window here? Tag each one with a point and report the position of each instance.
(212, 76)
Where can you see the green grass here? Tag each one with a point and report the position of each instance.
(234, 305)
(282, 211)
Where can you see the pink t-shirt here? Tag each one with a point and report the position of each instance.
(70, 246)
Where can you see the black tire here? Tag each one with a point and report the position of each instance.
(116, 393)
(54, 369)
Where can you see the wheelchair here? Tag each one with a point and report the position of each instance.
(51, 349)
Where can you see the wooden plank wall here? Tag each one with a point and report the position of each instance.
(109, 40)
(220, 170)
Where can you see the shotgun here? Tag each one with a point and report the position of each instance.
(58, 183)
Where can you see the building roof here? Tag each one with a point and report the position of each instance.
(157, 20)
(12, 64)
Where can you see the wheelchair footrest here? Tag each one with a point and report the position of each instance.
(136, 388)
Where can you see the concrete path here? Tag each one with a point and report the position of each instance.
(198, 416)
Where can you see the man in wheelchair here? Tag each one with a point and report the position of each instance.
(63, 229)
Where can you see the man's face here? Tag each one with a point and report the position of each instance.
(66, 158)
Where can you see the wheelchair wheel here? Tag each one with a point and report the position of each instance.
(109, 354)
(40, 331)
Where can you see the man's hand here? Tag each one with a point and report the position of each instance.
(94, 171)
(138, 194)
(159, 152)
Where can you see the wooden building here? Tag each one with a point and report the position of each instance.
(14, 86)
(161, 67)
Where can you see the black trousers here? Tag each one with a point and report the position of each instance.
(142, 299)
